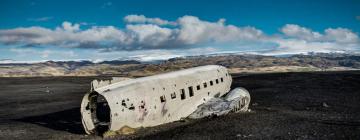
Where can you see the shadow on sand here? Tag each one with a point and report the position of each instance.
(67, 120)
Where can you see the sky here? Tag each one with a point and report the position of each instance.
(97, 30)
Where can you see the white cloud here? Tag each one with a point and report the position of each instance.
(190, 31)
(193, 30)
(341, 35)
(151, 35)
(143, 19)
(40, 19)
(297, 31)
(293, 46)
(187, 32)
(87, 23)
(338, 35)
(67, 26)
(299, 39)
(69, 35)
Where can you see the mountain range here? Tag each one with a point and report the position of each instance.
(237, 63)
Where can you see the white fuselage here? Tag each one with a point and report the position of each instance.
(163, 98)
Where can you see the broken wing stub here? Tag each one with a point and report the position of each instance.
(237, 100)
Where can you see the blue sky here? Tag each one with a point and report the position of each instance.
(34, 30)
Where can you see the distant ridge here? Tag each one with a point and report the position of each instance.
(235, 62)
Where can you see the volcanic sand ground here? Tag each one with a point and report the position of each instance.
(311, 105)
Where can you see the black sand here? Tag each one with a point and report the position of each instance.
(317, 105)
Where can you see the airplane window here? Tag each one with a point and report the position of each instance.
(182, 91)
(211, 83)
(198, 87)
(173, 95)
(191, 92)
(205, 85)
(162, 98)
(217, 81)
(226, 74)
(222, 79)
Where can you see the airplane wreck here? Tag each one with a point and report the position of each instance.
(149, 101)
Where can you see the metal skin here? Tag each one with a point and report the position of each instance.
(155, 100)
(237, 100)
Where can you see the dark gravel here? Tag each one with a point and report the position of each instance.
(312, 105)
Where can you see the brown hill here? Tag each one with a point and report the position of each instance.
(236, 63)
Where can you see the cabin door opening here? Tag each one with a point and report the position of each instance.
(100, 112)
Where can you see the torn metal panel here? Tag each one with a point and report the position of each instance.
(87, 120)
(237, 100)
(101, 83)
(153, 100)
